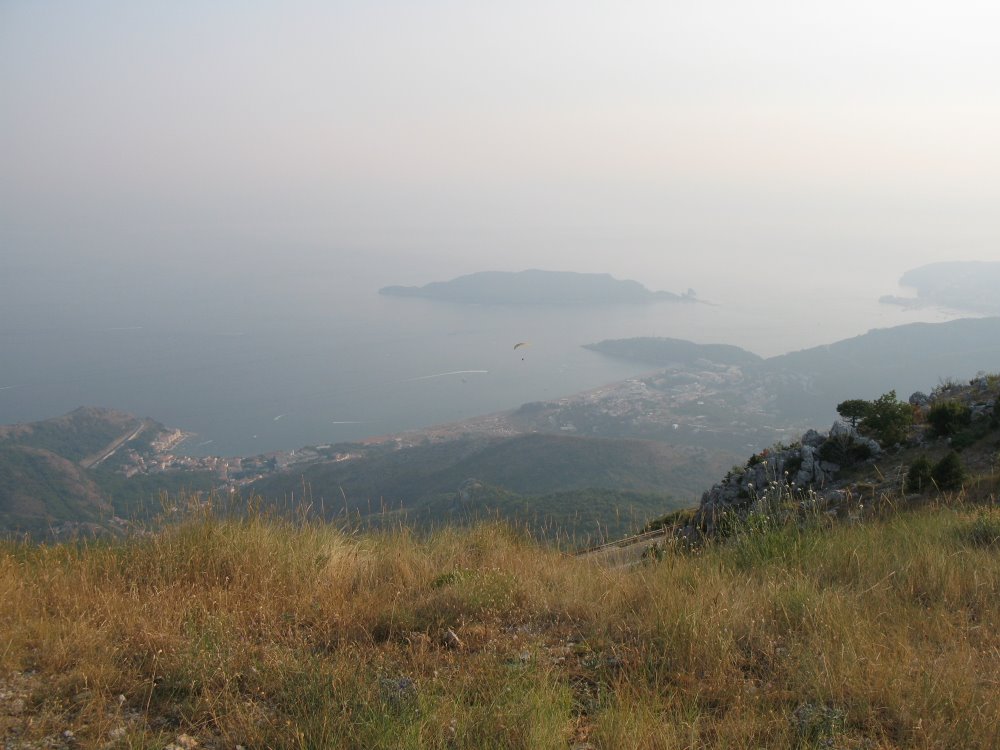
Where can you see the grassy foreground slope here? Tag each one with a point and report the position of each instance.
(261, 633)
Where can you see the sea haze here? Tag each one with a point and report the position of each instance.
(255, 361)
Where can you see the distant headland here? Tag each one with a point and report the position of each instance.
(966, 286)
(535, 287)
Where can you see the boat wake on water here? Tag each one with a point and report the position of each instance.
(445, 374)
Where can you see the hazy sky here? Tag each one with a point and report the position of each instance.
(710, 144)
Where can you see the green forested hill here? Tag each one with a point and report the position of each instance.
(39, 490)
(905, 358)
(73, 436)
(52, 481)
(554, 477)
(42, 485)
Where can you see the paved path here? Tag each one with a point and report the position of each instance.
(109, 450)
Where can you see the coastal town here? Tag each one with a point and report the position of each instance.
(709, 405)
(232, 472)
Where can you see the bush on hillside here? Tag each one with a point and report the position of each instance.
(845, 450)
(970, 435)
(888, 419)
(948, 473)
(854, 410)
(947, 417)
(918, 478)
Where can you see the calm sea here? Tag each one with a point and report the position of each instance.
(279, 361)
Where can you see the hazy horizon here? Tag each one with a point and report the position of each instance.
(649, 142)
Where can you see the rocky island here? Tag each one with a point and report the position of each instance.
(535, 287)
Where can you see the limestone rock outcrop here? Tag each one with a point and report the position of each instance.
(807, 466)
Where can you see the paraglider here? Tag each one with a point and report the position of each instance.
(519, 344)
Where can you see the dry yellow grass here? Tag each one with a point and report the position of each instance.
(264, 633)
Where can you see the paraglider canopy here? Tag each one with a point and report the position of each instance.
(519, 344)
